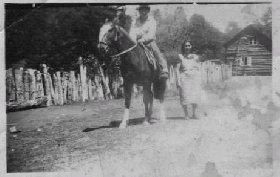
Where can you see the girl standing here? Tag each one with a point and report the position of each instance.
(189, 81)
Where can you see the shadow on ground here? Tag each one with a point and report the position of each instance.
(131, 122)
(116, 124)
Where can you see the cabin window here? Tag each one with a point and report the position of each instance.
(246, 61)
(253, 41)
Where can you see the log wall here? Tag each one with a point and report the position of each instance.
(261, 58)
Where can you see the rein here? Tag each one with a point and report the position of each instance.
(115, 57)
(124, 52)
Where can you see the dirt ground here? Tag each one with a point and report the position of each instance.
(230, 140)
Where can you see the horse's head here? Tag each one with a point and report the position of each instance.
(108, 37)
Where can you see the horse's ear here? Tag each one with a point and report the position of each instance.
(106, 20)
(117, 36)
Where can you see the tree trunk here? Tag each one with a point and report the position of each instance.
(27, 104)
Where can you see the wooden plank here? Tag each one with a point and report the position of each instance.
(85, 88)
(53, 95)
(26, 83)
(47, 88)
(73, 86)
(55, 83)
(69, 88)
(59, 88)
(64, 83)
(32, 85)
(39, 84)
(19, 85)
(79, 88)
(10, 85)
(82, 82)
(90, 96)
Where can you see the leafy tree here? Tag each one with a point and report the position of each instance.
(204, 37)
(263, 23)
(171, 33)
(56, 36)
(232, 29)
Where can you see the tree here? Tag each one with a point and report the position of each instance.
(232, 29)
(262, 23)
(171, 33)
(267, 22)
(56, 36)
(204, 37)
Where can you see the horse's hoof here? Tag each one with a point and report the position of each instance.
(152, 121)
(146, 123)
(123, 126)
(163, 120)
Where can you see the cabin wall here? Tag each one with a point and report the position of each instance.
(261, 58)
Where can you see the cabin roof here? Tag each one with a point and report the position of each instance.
(264, 40)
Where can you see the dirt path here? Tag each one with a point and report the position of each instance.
(52, 139)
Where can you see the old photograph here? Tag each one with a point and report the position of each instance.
(140, 89)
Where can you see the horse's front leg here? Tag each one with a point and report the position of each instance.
(162, 114)
(127, 93)
(148, 102)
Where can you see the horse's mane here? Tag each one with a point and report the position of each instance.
(126, 33)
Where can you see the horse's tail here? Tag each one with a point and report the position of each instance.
(159, 88)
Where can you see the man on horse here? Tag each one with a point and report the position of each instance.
(143, 30)
(122, 19)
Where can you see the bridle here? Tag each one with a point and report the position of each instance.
(116, 39)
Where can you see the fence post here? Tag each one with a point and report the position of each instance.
(55, 89)
(11, 86)
(82, 93)
(19, 84)
(53, 95)
(32, 84)
(64, 86)
(90, 90)
(59, 89)
(47, 85)
(73, 86)
(39, 84)
(26, 80)
(85, 88)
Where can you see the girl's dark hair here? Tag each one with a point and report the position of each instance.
(183, 46)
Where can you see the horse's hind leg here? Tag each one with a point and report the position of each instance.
(127, 93)
(162, 114)
(148, 101)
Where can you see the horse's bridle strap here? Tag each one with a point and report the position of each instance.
(123, 52)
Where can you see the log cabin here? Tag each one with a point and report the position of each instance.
(250, 53)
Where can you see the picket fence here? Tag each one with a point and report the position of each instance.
(64, 87)
(59, 88)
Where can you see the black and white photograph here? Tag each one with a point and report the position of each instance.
(141, 89)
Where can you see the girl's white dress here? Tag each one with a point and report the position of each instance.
(190, 78)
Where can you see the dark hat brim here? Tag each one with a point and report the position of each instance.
(143, 7)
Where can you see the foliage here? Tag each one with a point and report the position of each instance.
(263, 24)
(171, 33)
(58, 36)
(53, 35)
(204, 37)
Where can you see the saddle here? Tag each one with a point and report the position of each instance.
(150, 56)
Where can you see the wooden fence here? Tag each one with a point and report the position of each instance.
(59, 88)
(63, 87)
(214, 73)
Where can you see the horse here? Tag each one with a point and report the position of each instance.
(135, 69)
